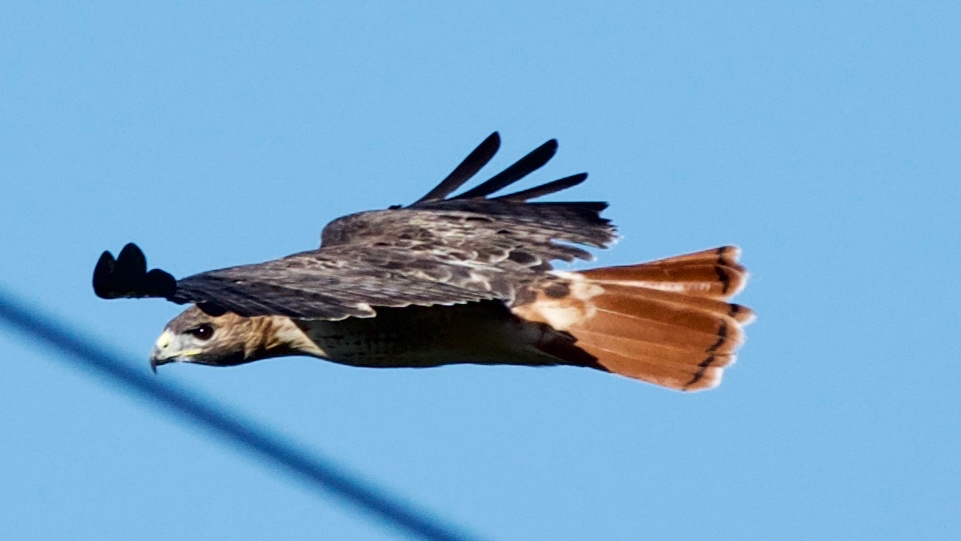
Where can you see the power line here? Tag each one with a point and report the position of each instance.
(320, 473)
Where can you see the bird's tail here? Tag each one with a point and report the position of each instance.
(666, 322)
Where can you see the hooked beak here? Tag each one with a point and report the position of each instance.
(168, 349)
(156, 361)
(160, 353)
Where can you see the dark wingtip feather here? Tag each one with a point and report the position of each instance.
(127, 276)
(102, 275)
(545, 189)
(523, 167)
(473, 163)
(131, 265)
(585, 206)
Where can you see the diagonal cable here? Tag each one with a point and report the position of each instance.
(318, 472)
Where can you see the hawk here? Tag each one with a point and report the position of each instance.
(449, 279)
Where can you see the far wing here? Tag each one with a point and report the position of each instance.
(506, 232)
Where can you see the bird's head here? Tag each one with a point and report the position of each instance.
(225, 340)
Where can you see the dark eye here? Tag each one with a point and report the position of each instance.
(203, 332)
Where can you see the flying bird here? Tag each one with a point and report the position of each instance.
(449, 279)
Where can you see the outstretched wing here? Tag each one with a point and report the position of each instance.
(439, 250)
(322, 284)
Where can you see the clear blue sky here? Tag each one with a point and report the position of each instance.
(824, 139)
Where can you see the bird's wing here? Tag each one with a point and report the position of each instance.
(327, 284)
(439, 250)
(473, 226)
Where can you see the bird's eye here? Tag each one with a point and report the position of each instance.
(203, 332)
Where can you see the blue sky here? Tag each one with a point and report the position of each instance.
(822, 138)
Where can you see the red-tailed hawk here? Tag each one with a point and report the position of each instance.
(462, 279)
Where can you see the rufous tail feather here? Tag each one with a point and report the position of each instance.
(666, 322)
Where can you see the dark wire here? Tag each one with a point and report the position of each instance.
(318, 472)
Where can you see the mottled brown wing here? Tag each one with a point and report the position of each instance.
(508, 235)
(507, 232)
